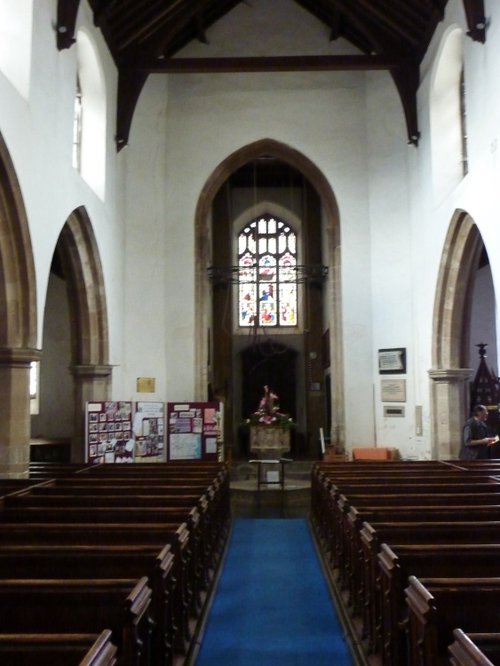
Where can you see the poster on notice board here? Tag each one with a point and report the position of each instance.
(192, 432)
(149, 431)
(108, 432)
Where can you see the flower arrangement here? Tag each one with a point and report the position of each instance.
(269, 413)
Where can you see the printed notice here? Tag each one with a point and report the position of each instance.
(393, 390)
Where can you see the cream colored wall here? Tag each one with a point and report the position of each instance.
(350, 125)
(38, 134)
(323, 115)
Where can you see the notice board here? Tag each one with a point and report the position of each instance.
(193, 430)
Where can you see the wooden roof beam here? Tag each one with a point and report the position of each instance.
(67, 11)
(476, 20)
(335, 25)
(199, 20)
(268, 64)
(102, 10)
(394, 26)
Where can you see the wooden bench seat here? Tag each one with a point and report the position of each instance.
(347, 522)
(438, 606)
(93, 562)
(98, 501)
(58, 649)
(373, 535)
(82, 606)
(327, 488)
(398, 562)
(187, 590)
(474, 649)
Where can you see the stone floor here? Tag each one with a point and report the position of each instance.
(270, 500)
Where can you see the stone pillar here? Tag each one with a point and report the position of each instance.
(92, 383)
(15, 417)
(449, 388)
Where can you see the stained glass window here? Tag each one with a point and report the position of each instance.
(267, 260)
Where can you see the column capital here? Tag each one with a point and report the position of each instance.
(450, 375)
(91, 371)
(19, 356)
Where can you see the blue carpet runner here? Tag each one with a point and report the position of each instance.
(272, 606)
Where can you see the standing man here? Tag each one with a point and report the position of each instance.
(475, 438)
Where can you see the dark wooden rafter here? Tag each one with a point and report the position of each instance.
(406, 77)
(271, 64)
(199, 20)
(350, 24)
(335, 24)
(102, 10)
(390, 22)
(476, 20)
(144, 37)
(130, 85)
(67, 11)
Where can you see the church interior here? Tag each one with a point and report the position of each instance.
(235, 231)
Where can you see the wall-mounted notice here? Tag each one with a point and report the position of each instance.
(149, 431)
(392, 361)
(192, 430)
(108, 432)
(393, 390)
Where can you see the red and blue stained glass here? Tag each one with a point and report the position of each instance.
(267, 264)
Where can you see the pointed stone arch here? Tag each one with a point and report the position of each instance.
(82, 268)
(18, 322)
(450, 339)
(288, 155)
(17, 285)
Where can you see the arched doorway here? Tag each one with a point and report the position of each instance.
(18, 322)
(451, 351)
(215, 352)
(267, 363)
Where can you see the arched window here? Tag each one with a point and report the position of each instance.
(34, 384)
(463, 125)
(77, 127)
(267, 269)
(92, 129)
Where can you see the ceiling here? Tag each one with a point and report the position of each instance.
(143, 37)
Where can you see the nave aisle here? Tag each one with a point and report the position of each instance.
(272, 605)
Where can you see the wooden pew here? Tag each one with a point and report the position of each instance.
(398, 562)
(122, 535)
(82, 606)
(351, 518)
(199, 552)
(326, 488)
(194, 566)
(58, 649)
(340, 532)
(474, 649)
(46, 470)
(346, 525)
(438, 606)
(93, 562)
(372, 535)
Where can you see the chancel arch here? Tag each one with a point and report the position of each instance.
(463, 255)
(255, 173)
(18, 322)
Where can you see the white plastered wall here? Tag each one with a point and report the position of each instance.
(38, 135)
(350, 125)
(208, 117)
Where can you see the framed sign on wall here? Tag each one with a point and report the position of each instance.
(392, 361)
